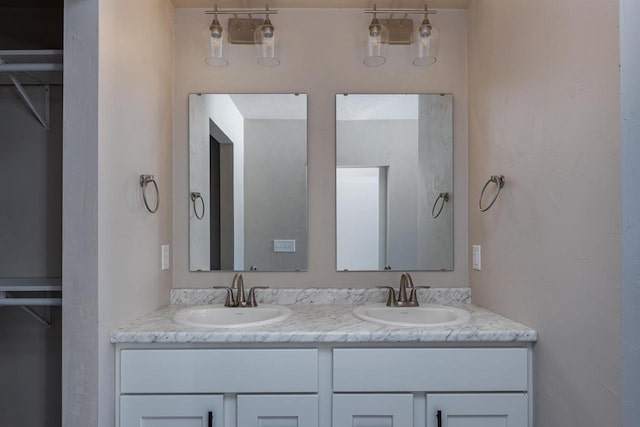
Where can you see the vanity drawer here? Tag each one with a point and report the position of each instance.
(430, 369)
(219, 371)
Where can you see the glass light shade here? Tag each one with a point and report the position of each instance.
(377, 44)
(265, 41)
(216, 43)
(425, 44)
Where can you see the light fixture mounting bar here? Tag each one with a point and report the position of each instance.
(241, 30)
(242, 12)
(400, 30)
(406, 11)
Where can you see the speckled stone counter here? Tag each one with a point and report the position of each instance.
(323, 316)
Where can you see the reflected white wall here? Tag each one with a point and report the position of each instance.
(222, 110)
(358, 221)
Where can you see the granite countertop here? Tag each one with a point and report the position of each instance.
(323, 316)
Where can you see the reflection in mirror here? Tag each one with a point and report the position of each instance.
(394, 182)
(248, 182)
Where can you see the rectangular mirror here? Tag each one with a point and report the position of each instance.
(248, 182)
(394, 182)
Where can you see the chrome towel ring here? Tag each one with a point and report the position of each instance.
(445, 199)
(145, 180)
(499, 181)
(194, 199)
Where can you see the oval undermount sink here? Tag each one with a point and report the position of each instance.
(424, 315)
(219, 316)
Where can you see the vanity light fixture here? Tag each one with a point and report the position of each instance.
(215, 57)
(377, 42)
(385, 32)
(426, 41)
(250, 30)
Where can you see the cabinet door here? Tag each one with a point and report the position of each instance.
(372, 410)
(477, 410)
(278, 410)
(171, 411)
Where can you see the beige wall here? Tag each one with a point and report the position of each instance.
(320, 70)
(544, 111)
(135, 128)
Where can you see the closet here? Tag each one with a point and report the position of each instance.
(31, 62)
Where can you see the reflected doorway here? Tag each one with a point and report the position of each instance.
(361, 218)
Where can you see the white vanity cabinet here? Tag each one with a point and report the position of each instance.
(431, 387)
(477, 410)
(372, 410)
(171, 411)
(324, 386)
(240, 387)
(277, 411)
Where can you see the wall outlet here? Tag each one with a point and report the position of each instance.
(165, 257)
(284, 246)
(477, 257)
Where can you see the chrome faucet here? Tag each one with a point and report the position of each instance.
(406, 282)
(240, 300)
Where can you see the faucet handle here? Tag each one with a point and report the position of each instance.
(230, 301)
(413, 297)
(391, 299)
(251, 302)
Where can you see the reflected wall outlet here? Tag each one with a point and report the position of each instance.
(284, 246)
(165, 257)
(477, 257)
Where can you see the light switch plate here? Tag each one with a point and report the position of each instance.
(477, 257)
(284, 246)
(165, 257)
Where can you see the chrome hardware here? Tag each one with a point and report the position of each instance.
(391, 299)
(240, 299)
(251, 302)
(194, 198)
(445, 198)
(145, 180)
(405, 282)
(413, 296)
(230, 301)
(402, 301)
(498, 180)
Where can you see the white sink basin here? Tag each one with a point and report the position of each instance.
(424, 315)
(219, 316)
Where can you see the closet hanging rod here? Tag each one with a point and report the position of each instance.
(49, 65)
(25, 282)
(29, 302)
(28, 67)
(28, 285)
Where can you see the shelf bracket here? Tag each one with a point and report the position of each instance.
(27, 99)
(46, 321)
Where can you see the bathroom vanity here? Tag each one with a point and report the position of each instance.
(323, 367)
